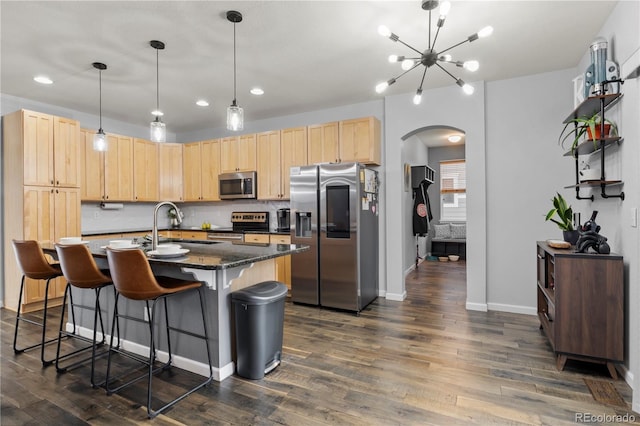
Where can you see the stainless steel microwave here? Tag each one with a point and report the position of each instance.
(237, 185)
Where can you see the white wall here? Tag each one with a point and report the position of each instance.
(525, 168)
(447, 106)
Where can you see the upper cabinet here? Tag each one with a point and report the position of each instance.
(201, 167)
(92, 170)
(170, 162)
(356, 140)
(146, 186)
(118, 169)
(270, 171)
(238, 154)
(51, 150)
(323, 143)
(294, 152)
(360, 140)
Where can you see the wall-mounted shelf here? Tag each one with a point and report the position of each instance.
(589, 107)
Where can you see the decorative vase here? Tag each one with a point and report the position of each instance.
(571, 236)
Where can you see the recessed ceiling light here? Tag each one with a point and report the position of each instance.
(202, 103)
(454, 138)
(157, 113)
(257, 91)
(43, 79)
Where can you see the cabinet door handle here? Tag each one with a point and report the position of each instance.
(546, 315)
(540, 257)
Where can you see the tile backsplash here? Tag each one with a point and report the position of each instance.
(139, 216)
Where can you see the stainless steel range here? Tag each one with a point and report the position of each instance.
(241, 222)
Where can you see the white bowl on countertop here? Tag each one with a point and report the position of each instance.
(71, 240)
(120, 244)
(168, 248)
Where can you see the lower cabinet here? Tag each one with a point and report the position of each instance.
(283, 263)
(581, 305)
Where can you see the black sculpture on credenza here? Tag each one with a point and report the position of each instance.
(589, 237)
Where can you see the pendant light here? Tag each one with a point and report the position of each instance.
(158, 128)
(235, 114)
(100, 142)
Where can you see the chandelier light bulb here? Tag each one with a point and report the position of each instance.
(418, 97)
(407, 64)
(445, 7)
(382, 87)
(384, 31)
(445, 58)
(393, 58)
(485, 32)
(468, 89)
(471, 65)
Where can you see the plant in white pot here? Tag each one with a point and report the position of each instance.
(562, 215)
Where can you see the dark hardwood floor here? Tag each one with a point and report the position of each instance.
(422, 361)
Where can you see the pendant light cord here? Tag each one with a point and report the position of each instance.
(100, 85)
(234, 63)
(157, 82)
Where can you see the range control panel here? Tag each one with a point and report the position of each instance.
(252, 217)
(244, 221)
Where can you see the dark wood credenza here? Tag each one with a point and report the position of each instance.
(581, 305)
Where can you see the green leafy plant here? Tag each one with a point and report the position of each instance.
(577, 127)
(563, 211)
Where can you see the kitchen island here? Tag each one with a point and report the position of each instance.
(223, 267)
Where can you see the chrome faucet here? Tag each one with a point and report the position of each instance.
(154, 232)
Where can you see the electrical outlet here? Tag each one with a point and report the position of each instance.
(96, 215)
(634, 217)
(146, 314)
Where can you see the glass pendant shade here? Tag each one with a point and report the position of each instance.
(100, 141)
(158, 130)
(235, 117)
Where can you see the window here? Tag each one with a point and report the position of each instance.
(453, 191)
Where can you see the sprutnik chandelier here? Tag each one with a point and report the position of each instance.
(431, 56)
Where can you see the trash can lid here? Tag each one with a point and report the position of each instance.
(261, 293)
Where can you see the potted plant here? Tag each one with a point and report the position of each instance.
(588, 125)
(564, 219)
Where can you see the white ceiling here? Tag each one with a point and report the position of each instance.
(306, 55)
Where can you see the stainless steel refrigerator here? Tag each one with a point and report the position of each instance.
(334, 209)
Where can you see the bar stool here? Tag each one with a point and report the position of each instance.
(80, 270)
(134, 279)
(34, 265)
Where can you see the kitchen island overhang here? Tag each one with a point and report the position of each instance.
(223, 267)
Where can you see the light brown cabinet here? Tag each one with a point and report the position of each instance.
(581, 305)
(238, 154)
(360, 140)
(51, 150)
(106, 176)
(118, 169)
(145, 170)
(356, 140)
(283, 263)
(201, 170)
(323, 143)
(170, 162)
(294, 152)
(269, 166)
(41, 189)
(256, 238)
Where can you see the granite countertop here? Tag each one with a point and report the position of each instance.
(209, 255)
(120, 231)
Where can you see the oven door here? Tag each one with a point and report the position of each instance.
(237, 185)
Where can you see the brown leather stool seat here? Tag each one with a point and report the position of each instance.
(82, 272)
(34, 265)
(134, 280)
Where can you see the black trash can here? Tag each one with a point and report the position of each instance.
(259, 323)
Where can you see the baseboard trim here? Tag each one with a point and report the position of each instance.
(396, 297)
(514, 309)
(482, 307)
(196, 367)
